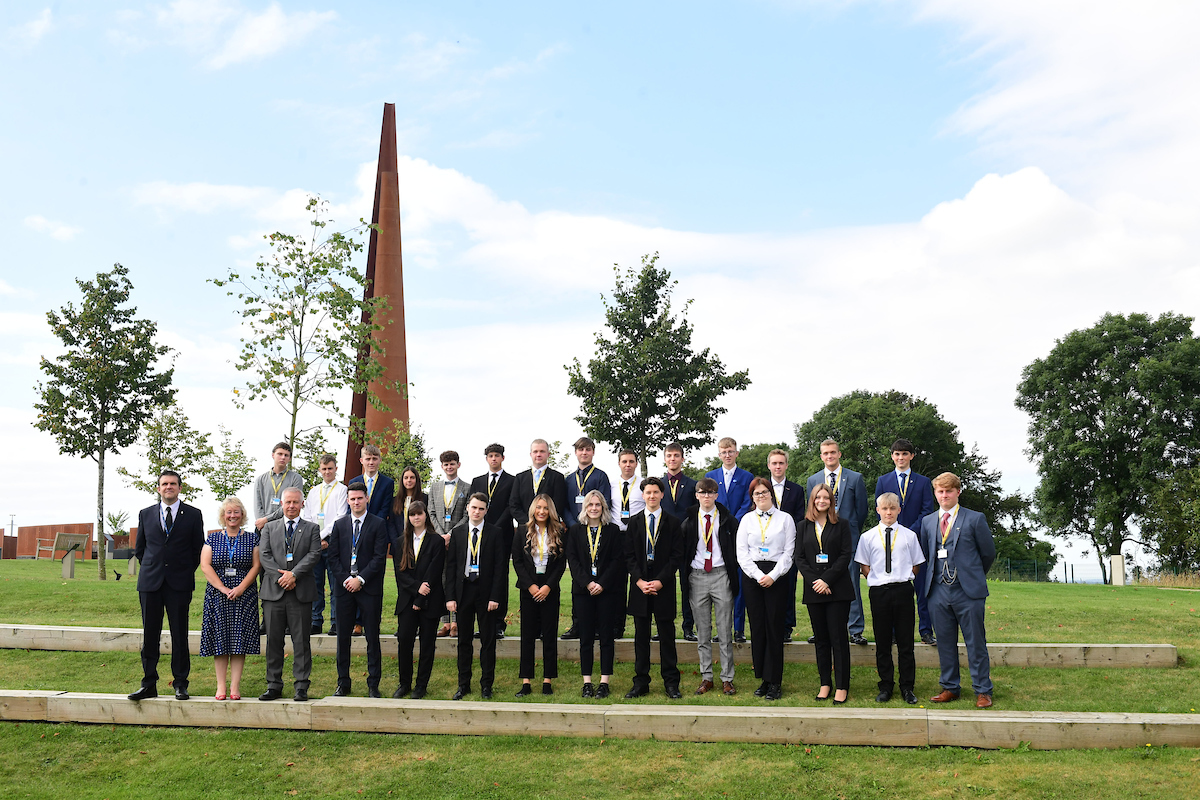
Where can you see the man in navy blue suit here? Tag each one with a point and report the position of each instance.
(789, 498)
(959, 544)
(916, 501)
(733, 492)
(381, 489)
(850, 502)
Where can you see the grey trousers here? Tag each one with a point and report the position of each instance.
(953, 611)
(290, 613)
(710, 594)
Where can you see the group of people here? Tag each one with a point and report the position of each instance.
(742, 546)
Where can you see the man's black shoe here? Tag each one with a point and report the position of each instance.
(271, 694)
(909, 696)
(761, 691)
(418, 693)
(144, 693)
(673, 692)
(774, 691)
(301, 696)
(812, 640)
(787, 636)
(373, 691)
(400, 693)
(461, 693)
(181, 693)
(571, 633)
(486, 694)
(690, 636)
(883, 696)
(928, 638)
(654, 637)
(858, 638)
(341, 691)
(315, 630)
(739, 637)
(635, 693)
(333, 630)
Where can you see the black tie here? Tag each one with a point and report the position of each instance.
(833, 486)
(473, 553)
(625, 496)
(492, 488)
(169, 522)
(887, 551)
(291, 532)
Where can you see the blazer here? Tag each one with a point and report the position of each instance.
(610, 558)
(431, 563)
(918, 498)
(526, 568)
(737, 499)
(851, 497)
(726, 538)
(306, 552)
(969, 544)
(668, 557)
(498, 513)
(596, 479)
(493, 562)
(685, 496)
(836, 543)
(372, 554)
(436, 505)
(553, 484)
(793, 501)
(169, 559)
(380, 502)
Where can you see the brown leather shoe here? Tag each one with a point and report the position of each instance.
(704, 687)
(945, 696)
(983, 701)
(728, 688)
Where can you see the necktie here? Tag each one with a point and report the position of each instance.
(903, 482)
(945, 526)
(291, 532)
(887, 551)
(357, 533)
(492, 487)
(650, 541)
(833, 487)
(625, 496)
(474, 553)
(708, 540)
(169, 523)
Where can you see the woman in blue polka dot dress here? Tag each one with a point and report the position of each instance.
(229, 631)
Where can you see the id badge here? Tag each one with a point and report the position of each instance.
(763, 551)
(447, 519)
(474, 569)
(541, 570)
(650, 558)
(822, 558)
(275, 501)
(321, 516)
(230, 572)
(289, 557)
(593, 570)
(624, 514)
(708, 554)
(942, 553)
(579, 500)
(353, 561)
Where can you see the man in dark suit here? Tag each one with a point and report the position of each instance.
(475, 580)
(733, 492)
(498, 486)
(680, 495)
(789, 498)
(850, 502)
(289, 549)
(538, 479)
(357, 557)
(960, 550)
(381, 489)
(170, 538)
(654, 549)
(916, 502)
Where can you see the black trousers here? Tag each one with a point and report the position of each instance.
(474, 606)
(369, 607)
(892, 610)
(668, 659)
(685, 597)
(767, 611)
(410, 623)
(598, 616)
(829, 622)
(175, 604)
(539, 621)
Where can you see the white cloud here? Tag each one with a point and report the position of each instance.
(226, 33)
(57, 230)
(32, 32)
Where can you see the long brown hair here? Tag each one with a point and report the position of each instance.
(402, 494)
(554, 527)
(408, 556)
(810, 513)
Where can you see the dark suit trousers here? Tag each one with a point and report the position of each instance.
(175, 603)
(924, 619)
(410, 623)
(288, 613)
(668, 660)
(369, 607)
(474, 605)
(892, 610)
(832, 641)
(598, 616)
(953, 611)
(539, 620)
(766, 609)
(685, 597)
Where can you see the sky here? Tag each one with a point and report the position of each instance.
(919, 195)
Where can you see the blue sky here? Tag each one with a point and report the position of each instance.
(934, 190)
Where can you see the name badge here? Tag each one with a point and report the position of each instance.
(942, 553)
(353, 560)
(578, 499)
(230, 572)
(541, 570)
(321, 515)
(650, 558)
(447, 518)
(474, 569)
(593, 570)
(624, 514)
(289, 556)
(822, 558)
(763, 551)
(274, 501)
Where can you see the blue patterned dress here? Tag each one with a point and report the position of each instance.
(230, 627)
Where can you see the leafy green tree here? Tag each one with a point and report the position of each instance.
(100, 393)
(169, 442)
(1172, 522)
(403, 447)
(308, 325)
(1113, 409)
(646, 386)
(227, 470)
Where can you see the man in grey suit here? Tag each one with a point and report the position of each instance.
(850, 502)
(448, 497)
(289, 549)
(958, 545)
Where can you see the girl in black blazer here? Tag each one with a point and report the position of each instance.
(595, 551)
(539, 559)
(824, 549)
(419, 556)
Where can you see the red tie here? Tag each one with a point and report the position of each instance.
(945, 525)
(708, 540)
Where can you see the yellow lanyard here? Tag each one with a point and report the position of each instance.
(673, 485)
(448, 499)
(325, 494)
(762, 529)
(820, 528)
(542, 540)
(652, 522)
(837, 481)
(953, 515)
(903, 485)
(593, 543)
(370, 488)
(417, 542)
(474, 551)
(492, 485)
(625, 495)
(276, 486)
(883, 541)
(538, 481)
(708, 534)
(586, 478)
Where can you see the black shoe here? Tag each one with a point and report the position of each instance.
(761, 691)
(547, 689)
(144, 693)
(571, 633)
(462, 692)
(373, 691)
(775, 692)
(674, 693)
(499, 634)
(739, 637)
(812, 640)
(928, 638)
(909, 696)
(301, 696)
(603, 691)
(476, 634)
(181, 693)
(883, 696)
(588, 690)
(858, 638)
(715, 639)
(654, 637)
(619, 633)
(486, 694)
(271, 694)
(418, 693)
(400, 693)
(262, 628)
(341, 691)
(841, 702)
(820, 699)
(787, 636)
(315, 630)
(690, 636)
(333, 630)
(635, 693)
(524, 691)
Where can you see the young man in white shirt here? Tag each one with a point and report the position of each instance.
(326, 503)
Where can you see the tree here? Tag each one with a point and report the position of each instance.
(402, 447)
(306, 456)
(645, 386)
(1113, 409)
(227, 470)
(308, 325)
(170, 443)
(1173, 521)
(104, 388)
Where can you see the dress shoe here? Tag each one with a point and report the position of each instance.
(476, 635)
(715, 639)
(524, 691)
(654, 637)
(858, 638)
(635, 693)
(486, 694)
(705, 687)
(373, 691)
(603, 691)
(728, 688)
(690, 636)
(500, 633)
(823, 699)
(358, 630)
(837, 702)
(235, 697)
(775, 691)
(983, 701)
(181, 693)
(333, 630)
(547, 689)
(400, 693)
(315, 630)
(674, 693)
(812, 640)
(909, 696)
(144, 693)
(218, 697)
(571, 633)
(588, 690)
(739, 637)
(883, 696)
(341, 691)
(271, 694)
(301, 696)
(418, 693)
(787, 636)
(944, 696)
(445, 631)
(928, 638)
(461, 693)
(761, 691)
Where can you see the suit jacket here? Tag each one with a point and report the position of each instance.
(493, 563)
(526, 568)
(553, 484)
(306, 552)
(793, 501)
(429, 567)
(685, 497)
(851, 497)
(437, 505)
(380, 502)
(737, 499)
(668, 557)
(372, 554)
(918, 498)
(610, 558)
(692, 530)
(836, 543)
(596, 479)
(969, 546)
(169, 559)
(498, 513)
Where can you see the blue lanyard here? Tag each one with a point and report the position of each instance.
(232, 547)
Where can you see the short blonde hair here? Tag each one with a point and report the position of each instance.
(888, 500)
(947, 480)
(226, 504)
(727, 441)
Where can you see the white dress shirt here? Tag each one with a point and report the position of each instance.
(334, 508)
(906, 554)
(636, 503)
(718, 558)
(773, 530)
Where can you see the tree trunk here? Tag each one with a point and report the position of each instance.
(1103, 569)
(645, 466)
(100, 517)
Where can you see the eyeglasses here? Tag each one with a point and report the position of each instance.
(763, 493)
(702, 491)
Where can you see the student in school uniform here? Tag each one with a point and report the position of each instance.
(419, 557)
(539, 559)
(596, 554)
